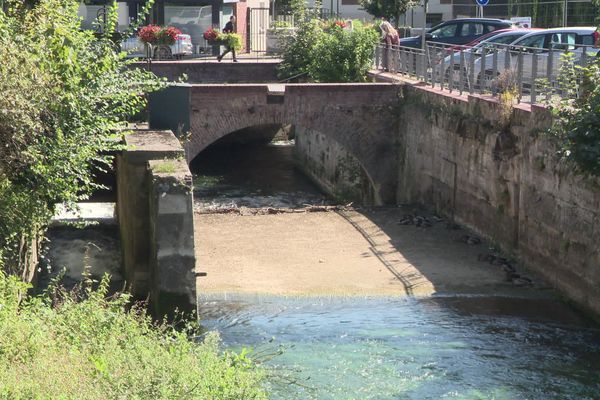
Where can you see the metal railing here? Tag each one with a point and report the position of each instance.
(533, 75)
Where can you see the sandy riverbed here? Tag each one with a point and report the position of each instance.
(352, 252)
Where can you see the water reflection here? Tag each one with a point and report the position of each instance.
(349, 348)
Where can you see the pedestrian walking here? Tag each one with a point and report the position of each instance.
(229, 28)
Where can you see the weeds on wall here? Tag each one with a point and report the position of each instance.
(506, 85)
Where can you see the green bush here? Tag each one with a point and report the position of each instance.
(326, 52)
(65, 96)
(577, 121)
(81, 345)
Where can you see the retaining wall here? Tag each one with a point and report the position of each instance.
(498, 173)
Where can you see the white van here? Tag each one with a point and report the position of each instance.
(134, 47)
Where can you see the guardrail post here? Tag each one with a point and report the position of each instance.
(442, 65)
(549, 68)
(462, 75)
(520, 75)
(534, 70)
(472, 75)
(495, 61)
(483, 70)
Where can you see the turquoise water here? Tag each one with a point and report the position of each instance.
(454, 348)
(388, 348)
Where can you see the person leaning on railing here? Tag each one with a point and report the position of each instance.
(391, 38)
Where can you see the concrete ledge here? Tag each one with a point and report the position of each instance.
(144, 145)
(102, 213)
(211, 71)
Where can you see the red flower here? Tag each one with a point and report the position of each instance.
(154, 34)
(341, 24)
(167, 35)
(211, 34)
(148, 34)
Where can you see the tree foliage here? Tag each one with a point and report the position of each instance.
(325, 51)
(390, 9)
(66, 95)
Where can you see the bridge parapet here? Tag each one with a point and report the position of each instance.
(358, 117)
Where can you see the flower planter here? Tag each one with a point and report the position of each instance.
(217, 42)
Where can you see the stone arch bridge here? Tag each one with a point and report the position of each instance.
(332, 121)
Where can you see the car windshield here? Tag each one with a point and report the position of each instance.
(500, 39)
(536, 41)
(444, 31)
(507, 39)
(188, 14)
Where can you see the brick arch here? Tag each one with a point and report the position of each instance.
(359, 117)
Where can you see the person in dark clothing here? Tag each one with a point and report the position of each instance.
(229, 28)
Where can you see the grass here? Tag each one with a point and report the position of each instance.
(83, 345)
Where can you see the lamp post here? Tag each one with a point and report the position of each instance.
(565, 12)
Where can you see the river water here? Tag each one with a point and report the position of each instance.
(455, 347)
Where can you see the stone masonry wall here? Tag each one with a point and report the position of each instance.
(498, 174)
(332, 167)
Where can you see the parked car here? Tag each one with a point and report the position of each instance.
(134, 47)
(486, 38)
(458, 31)
(539, 44)
(452, 62)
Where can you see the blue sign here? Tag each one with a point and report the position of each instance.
(483, 2)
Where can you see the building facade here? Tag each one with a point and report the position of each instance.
(544, 13)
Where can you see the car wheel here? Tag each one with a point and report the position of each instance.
(163, 53)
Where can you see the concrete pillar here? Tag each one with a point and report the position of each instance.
(133, 206)
(173, 261)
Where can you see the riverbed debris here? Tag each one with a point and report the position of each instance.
(507, 267)
(452, 226)
(417, 220)
(244, 211)
(469, 239)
